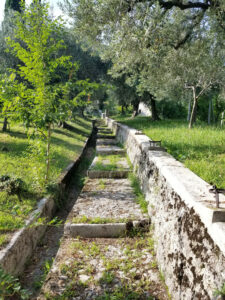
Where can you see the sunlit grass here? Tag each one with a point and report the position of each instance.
(17, 159)
(201, 149)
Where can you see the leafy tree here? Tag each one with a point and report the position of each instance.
(139, 36)
(37, 102)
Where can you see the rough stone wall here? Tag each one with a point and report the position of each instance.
(189, 238)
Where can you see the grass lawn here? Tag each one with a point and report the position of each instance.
(201, 149)
(20, 161)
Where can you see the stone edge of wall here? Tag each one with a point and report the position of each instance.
(14, 256)
(205, 213)
(190, 189)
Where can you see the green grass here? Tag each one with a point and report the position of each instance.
(3, 239)
(97, 220)
(140, 198)
(112, 164)
(201, 149)
(22, 160)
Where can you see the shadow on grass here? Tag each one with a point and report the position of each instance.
(13, 149)
(83, 122)
(72, 129)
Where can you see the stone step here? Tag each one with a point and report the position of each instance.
(106, 142)
(108, 174)
(104, 128)
(107, 166)
(109, 150)
(106, 131)
(105, 136)
(101, 268)
(106, 208)
(108, 230)
(106, 199)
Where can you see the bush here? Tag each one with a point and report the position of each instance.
(12, 185)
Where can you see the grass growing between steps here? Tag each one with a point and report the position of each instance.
(109, 163)
(97, 220)
(19, 157)
(107, 269)
(201, 149)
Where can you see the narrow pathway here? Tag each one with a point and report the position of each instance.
(107, 251)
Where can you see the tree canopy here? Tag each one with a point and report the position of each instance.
(154, 43)
(13, 4)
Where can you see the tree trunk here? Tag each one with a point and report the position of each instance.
(222, 119)
(189, 111)
(48, 154)
(5, 124)
(210, 111)
(122, 110)
(135, 109)
(194, 110)
(155, 116)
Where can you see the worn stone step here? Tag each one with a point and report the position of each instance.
(108, 174)
(108, 166)
(104, 128)
(109, 149)
(105, 136)
(108, 199)
(106, 142)
(108, 230)
(90, 269)
(106, 131)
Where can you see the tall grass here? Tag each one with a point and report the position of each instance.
(201, 149)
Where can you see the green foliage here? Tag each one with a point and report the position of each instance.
(140, 198)
(19, 161)
(37, 103)
(13, 4)
(45, 270)
(3, 239)
(10, 287)
(12, 186)
(107, 277)
(180, 46)
(221, 291)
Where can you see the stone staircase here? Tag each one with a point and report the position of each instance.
(107, 251)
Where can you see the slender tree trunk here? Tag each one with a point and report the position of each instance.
(222, 119)
(5, 124)
(210, 111)
(122, 110)
(189, 110)
(194, 110)
(155, 116)
(48, 154)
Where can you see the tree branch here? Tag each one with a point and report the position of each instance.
(173, 3)
(196, 20)
(183, 6)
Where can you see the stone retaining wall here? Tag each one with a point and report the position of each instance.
(14, 256)
(189, 231)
